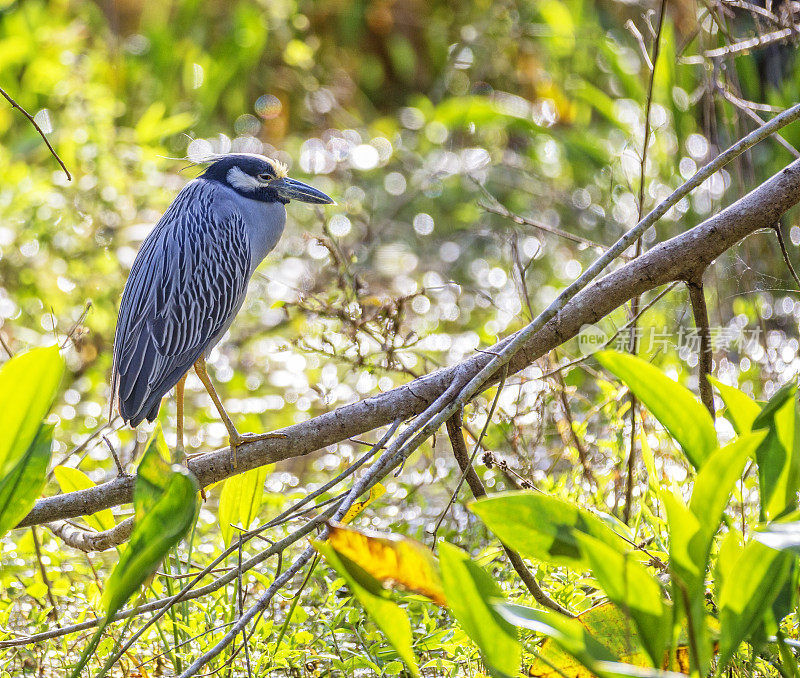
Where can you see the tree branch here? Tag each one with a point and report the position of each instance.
(677, 259)
(705, 356)
(35, 124)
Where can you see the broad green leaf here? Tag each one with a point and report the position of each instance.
(714, 484)
(747, 592)
(151, 474)
(687, 560)
(22, 485)
(240, 501)
(166, 506)
(392, 559)
(471, 594)
(543, 527)
(388, 616)
(73, 479)
(675, 407)
(740, 408)
(569, 634)
(730, 548)
(631, 588)
(778, 456)
(154, 534)
(28, 386)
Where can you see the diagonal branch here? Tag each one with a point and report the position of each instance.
(677, 259)
(35, 124)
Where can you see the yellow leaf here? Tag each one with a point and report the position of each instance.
(393, 560)
(240, 500)
(73, 479)
(378, 490)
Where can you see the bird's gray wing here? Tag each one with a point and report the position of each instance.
(186, 283)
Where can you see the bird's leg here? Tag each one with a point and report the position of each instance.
(181, 450)
(234, 436)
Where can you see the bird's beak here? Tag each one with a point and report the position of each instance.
(291, 189)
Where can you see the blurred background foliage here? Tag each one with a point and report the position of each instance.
(414, 116)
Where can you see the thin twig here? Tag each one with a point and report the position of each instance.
(747, 45)
(45, 578)
(462, 456)
(35, 124)
(785, 254)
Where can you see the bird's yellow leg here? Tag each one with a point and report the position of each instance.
(181, 450)
(234, 436)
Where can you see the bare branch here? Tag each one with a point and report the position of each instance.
(89, 540)
(677, 259)
(35, 124)
(705, 359)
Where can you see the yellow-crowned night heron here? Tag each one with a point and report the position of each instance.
(189, 280)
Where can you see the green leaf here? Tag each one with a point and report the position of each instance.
(471, 594)
(714, 484)
(28, 386)
(73, 479)
(687, 560)
(151, 473)
(388, 616)
(747, 592)
(154, 534)
(741, 409)
(543, 527)
(240, 500)
(778, 456)
(166, 505)
(20, 487)
(569, 634)
(631, 588)
(675, 407)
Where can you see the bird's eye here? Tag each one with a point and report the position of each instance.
(266, 177)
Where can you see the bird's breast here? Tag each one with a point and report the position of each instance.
(264, 223)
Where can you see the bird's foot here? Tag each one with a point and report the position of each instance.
(242, 438)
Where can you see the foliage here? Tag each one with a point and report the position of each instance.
(553, 532)
(460, 141)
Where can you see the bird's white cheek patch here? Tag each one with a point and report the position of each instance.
(243, 181)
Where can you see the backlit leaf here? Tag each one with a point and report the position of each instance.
(599, 642)
(388, 616)
(391, 559)
(166, 506)
(634, 591)
(675, 407)
(740, 408)
(543, 527)
(375, 492)
(471, 595)
(28, 386)
(22, 485)
(240, 500)
(778, 455)
(749, 588)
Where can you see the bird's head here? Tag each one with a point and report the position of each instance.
(261, 178)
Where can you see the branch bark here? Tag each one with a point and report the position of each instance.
(677, 259)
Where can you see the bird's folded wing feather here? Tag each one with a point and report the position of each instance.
(186, 282)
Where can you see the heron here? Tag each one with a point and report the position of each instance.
(189, 279)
